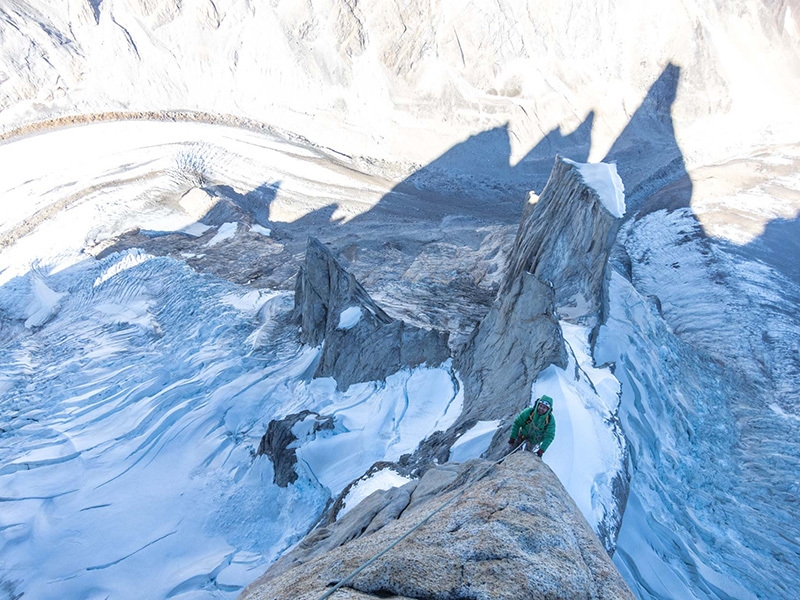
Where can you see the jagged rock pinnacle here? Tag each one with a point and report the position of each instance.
(565, 238)
(361, 342)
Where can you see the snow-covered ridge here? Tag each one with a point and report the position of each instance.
(604, 179)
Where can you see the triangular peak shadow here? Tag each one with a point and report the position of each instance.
(778, 246)
(475, 177)
(648, 158)
(575, 146)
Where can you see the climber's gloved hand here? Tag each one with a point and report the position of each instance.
(539, 452)
(512, 442)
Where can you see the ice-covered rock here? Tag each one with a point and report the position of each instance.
(365, 349)
(512, 532)
(567, 233)
(279, 442)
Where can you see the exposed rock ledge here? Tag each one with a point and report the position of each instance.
(362, 342)
(279, 442)
(514, 534)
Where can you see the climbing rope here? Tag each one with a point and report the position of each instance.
(352, 575)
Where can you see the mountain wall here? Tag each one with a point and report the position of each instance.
(507, 531)
(556, 270)
(566, 236)
(406, 81)
(479, 554)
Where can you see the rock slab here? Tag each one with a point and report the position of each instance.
(513, 533)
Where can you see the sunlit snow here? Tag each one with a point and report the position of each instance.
(605, 180)
(226, 231)
(381, 480)
(585, 454)
(473, 442)
(135, 390)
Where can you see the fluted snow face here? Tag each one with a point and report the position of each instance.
(709, 402)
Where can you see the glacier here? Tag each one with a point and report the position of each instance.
(135, 389)
(161, 164)
(135, 399)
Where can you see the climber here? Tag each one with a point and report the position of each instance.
(536, 426)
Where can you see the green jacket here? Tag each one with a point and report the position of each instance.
(540, 430)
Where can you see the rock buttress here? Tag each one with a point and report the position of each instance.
(565, 238)
(519, 337)
(361, 342)
(514, 534)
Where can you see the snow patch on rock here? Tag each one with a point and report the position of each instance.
(265, 231)
(474, 442)
(225, 232)
(349, 317)
(381, 480)
(605, 180)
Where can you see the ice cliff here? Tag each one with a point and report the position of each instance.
(512, 533)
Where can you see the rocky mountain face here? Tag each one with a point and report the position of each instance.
(557, 265)
(516, 341)
(504, 531)
(565, 238)
(405, 80)
(513, 344)
(360, 341)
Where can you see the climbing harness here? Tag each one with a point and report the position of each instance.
(352, 575)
